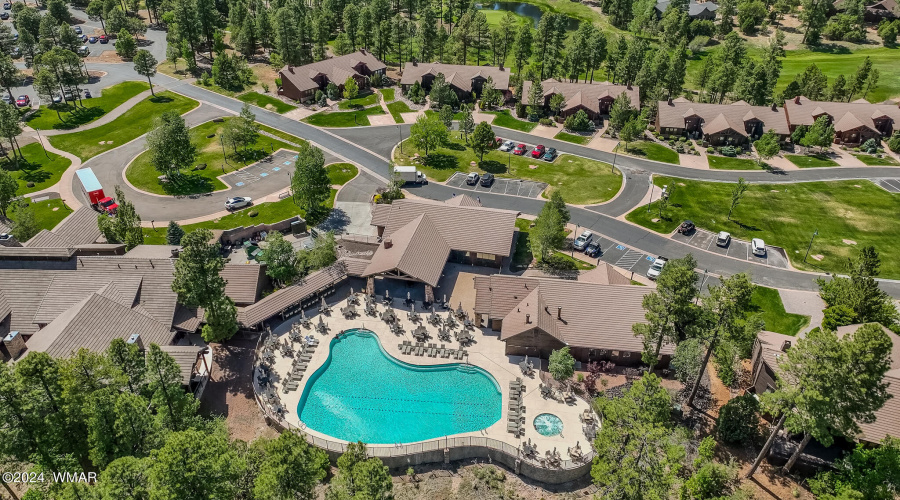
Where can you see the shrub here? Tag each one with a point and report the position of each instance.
(376, 80)
(547, 122)
(265, 87)
(894, 142)
(728, 151)
(278, 82)
(252, 213)
(710, 150)
(870, 146)
(30, 184)
(333, 92)
(737, 422)
(521, 110)
(698, 44)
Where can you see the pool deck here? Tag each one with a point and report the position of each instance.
(486, 352)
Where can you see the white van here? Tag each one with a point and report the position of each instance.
(758, 247)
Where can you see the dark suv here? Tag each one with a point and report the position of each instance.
(487, 179)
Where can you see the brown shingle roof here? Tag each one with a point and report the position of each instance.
(287, 297)
(468, 229)
(187, 319)
(416, 249)
(185, 357)
(585, 94)
(156, 295)
(355, 266)
(604, 274)
(459, 75)
(79, 228)
(35, 252)
(846, 115)
(242, 282)
(498, 294)
(337, 69)
(48, 239)
(463, 200)
(732, 115)
(381, 214)
(68, 288)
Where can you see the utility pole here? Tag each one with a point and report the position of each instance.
(816, 233)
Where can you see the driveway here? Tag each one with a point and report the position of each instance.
(738, 249)
(511, 187)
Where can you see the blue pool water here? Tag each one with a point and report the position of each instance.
(548, 424)
(362, 393)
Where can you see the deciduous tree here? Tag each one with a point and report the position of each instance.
(483, 140)
(145, 65)
(170, 146)
(292, 468)
(427, 133)
(561, 364)
(767, 146)
(310, 184)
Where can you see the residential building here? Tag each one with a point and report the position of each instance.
(854, 122)
(720, 124)
(769, 349)
(594, 98)
(875, 13)
(697, 9)
(592, 316)
(463, 79)
(300, 83)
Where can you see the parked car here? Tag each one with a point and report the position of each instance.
(104, 39)
(7, 99)
(77, 29)
(84, 50)
(593, 249)
(23, 100)
(507, 146)
(723, 239)
(70, 96)
(83, 38)
(758, 247)
(237, 202)
(92, 39)
(487, 179)
(57, 99)
(87, 94)
(686, 227)
(656, 267)
(4, 15)
(472, 178)
(550, 155)
(520, 150)
(15, 53)
(582, 240)
(7, 5)
(538, 151)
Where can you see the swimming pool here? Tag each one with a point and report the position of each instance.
(362, 393)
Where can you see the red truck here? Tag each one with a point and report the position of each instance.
(94, 192)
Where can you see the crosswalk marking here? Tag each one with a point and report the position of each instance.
(629, 259)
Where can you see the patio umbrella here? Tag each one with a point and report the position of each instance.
(351, 290)
(302, 314)
(412, 307)
(408, 297)
(387, 294)
(323, 303)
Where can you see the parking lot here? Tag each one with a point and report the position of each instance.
(738, 249)
(621, 256)
(889, 185)
(512, 187)
(270, 166)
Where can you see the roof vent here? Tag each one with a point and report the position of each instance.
(135, 339)
(559, 313)
(388, 243)
(797, 100)
(774, 107)
(785, 345)
(527, 319)
(290, 68)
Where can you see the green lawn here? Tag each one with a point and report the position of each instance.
(267, 213)
(388, 94)
(36, 168)
(142, 175)
(573, 138)
(344, 118)
(267, 102)
(873, 161)
(132, 124)
(651, 151)
(727, 163)
(110, 98)
(506, 120)
(768, 302)
(811, 161)
(341, 173)
(581, 181)
(283, 135)
(495, 17)
(49, 213)
(456, 116)
(398, 107)
(359, 102)
(786, 215)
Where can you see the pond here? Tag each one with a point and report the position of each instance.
(526, 10)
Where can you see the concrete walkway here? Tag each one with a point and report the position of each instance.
(66, 183)
(805, 303)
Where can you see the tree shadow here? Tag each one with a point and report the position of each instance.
(493, 166)
(29, 172)
(441, 161)
(187, 184)
(831, 48)
(454, 146)
(161, 99)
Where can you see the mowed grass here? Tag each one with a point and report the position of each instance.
(359, 102)
(341, 173)
(811, 161)
(49, 213)
(873, 161)
(650, 151)
(131, 125)
(387, 94)
(786, 215)
(505, 119)
(144, 176)
(727, 163)
(398, 107)
(36, 168)
(344, 118)
(266, 213)
(579, 180)
(573, 138)
(768, 302)
(110, 98)
(266, 102)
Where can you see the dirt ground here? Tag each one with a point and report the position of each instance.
(790, 25)
(229, 392)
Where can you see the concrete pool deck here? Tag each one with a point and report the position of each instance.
(487, 352)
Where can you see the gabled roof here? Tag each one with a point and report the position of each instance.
(458, 75)
(802, 111)
(848, 122)
(289, 296)
(79, 228)
(242, 282)
(417, 250)
(185, 357)
(695, 8)
(715, 116)
(336, 69)
(462, 200)
(585, 94)
(721, 123)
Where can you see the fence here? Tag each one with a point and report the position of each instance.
(243, 232)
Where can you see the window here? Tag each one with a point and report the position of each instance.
(485, 256)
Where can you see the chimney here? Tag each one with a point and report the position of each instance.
(670, 100)
(527, 319)
(797, 100)
(500, 67)
(774, 107)
(136, 340)
(291, 69)
(785, 346)
(559, 313)
(388, 243)
(14, 343)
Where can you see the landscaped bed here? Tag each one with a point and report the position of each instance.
(344, 118)
(505, 119)
(811, 161)
(573, 138)
(387, 94)
(359, 102)
(581, 181)
(875, 161)
(142, 175)
(132, 124)
(73, 116)
(767, 301)
(728, 163)
(522, 257)
(649, 150)
(398, 107)
(267, 213)
(36, 168)
(266, 102)
(341, 173)
(847, 215)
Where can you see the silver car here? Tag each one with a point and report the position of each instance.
(507, 146)
(237, 202)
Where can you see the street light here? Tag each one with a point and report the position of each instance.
(223, 152)
(615, 155)
(651, 193)
(42, 142)
(700, 290)
(816, 233)
(400, 131)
